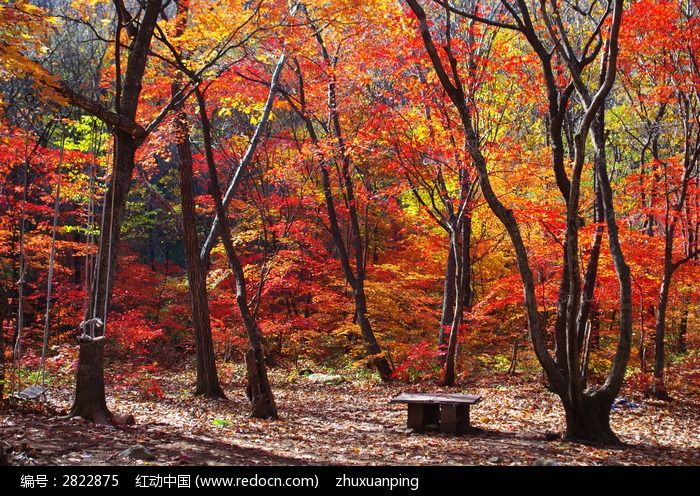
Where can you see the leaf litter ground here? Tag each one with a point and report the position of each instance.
(351, 423)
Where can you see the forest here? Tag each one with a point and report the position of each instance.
(232, 231)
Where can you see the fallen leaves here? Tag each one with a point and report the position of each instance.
(350, 423)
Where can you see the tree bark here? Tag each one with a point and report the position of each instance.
(590, 276)
(588, 420)
(258, 389)
(4, 312)
(89, 401)
(659, 387)
(207, 382)
(683, 330)
(462, 295)
(448, 303)
(356, 282)
(355, 278)
(673, 213)
(371, 344)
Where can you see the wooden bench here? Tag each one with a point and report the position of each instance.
(438, 412)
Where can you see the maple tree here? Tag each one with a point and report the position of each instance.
(587, 409)
(663, 85)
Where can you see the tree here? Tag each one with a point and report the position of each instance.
(661, 83)
(258, 390)
(443, 182)
(355, 248)
(207, 377)
(587, 410)
(89, 401)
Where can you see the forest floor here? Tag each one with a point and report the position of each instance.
(351, 423)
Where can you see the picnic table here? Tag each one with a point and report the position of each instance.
(438, 412)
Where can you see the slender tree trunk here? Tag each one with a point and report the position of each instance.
(371, 345)
(258, 389)
(659, 387)
(591, 274)
(207, 378)
(448, 303)
(673, 213)
(600, 411)
(683, 329)
(589, 336)
(4, 311)
(462, 296)
(560, 320)
(2, 360)
(514, 357)
(467, 261)
(372, 348)
(355, 279)
(458, 309)
(207, 382)
(641, 343)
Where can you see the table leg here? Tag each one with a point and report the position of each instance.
(454, 419)
(421, 416)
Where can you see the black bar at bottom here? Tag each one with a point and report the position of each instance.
(376, 479)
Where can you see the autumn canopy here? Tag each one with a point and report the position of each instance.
(412, 194)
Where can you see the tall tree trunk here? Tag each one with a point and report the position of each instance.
(4, 312)
(659, 387)
(673, 213)
(89, 401)
(355, 279)
(371, 345)
(448, 303)
(462, 296)
(683, 329)
(207, 383)
(560, 320)
(590, 276)
(586, 346)
(467, 261)
(2, 361)
(372, 348)
(641, 342)
(607, 393)
(259, 390)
